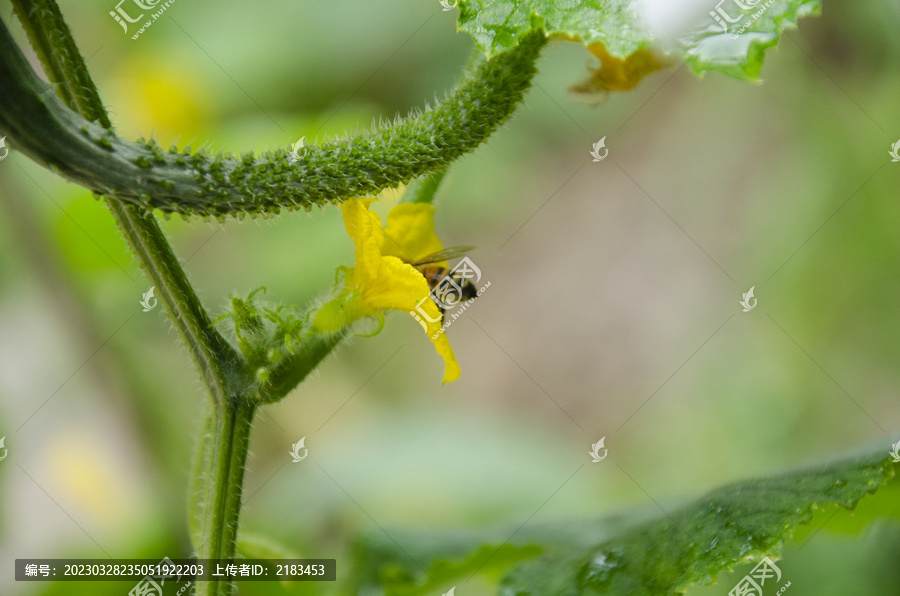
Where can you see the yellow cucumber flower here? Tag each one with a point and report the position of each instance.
(382, 278)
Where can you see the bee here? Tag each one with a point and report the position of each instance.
(443, 282)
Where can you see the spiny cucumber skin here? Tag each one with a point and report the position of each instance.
(203, 184)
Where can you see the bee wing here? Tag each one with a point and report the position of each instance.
(454, 252)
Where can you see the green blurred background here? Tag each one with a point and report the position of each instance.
(612, 284)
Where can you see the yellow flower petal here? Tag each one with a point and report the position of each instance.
(361, 225)
(409, 233)
(451, 366)
(401, 287)
(398, 286)
(381, 280)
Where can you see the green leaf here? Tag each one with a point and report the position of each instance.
(616, 25)
(687, 546)
(498, 25)
(739, 52)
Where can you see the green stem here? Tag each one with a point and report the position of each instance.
(217, 361)
(287, 373)
(223, 452)
(421, 190)
(43, 127)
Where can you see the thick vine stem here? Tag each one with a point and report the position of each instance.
(40, 125)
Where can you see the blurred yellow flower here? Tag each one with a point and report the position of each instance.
(164, 96)
(382, 278)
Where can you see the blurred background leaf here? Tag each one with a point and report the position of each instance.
(682, 547)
